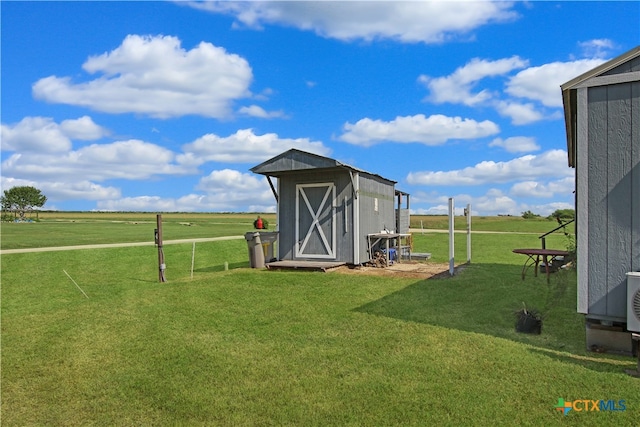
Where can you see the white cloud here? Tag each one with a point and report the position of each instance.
(132, 151)
(132, 159)
(496, 204)
(189, 203)
(257, 111)
(456, 88)
(78, 190)
(154, 75)
(542, 83)
(61, 191)
(523, 95)
(549, 164)
(438, 210)
(40, 134)
(222, 190)
(516, 144)
(563, 187)
(245, 191)
(407, 22)
(9, 182)
(244, 147)
(34, 134)
(141, 203)
(596, 48)
(433, 130)
(232, 181)
(492, 202)
(519, 113)
(83, 129)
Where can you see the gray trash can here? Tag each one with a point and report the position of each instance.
(256, 253)
(269, 239)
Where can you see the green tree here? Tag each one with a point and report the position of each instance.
(22, 199)
(563, 214)
(529, 215)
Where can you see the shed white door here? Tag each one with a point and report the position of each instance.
(315, 220)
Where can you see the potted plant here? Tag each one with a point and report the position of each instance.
(528, 321)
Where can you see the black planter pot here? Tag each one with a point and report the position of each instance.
(528, 323)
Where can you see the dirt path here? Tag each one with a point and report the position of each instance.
(114, 245)
(408, 269)
(206, 239)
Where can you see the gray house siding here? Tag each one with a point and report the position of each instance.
(608, 190)
(612, 180)
(635, 175)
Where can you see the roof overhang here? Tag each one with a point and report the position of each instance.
(297, 161)
(589, 79)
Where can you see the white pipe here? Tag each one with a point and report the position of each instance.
(355, 179)
(193, 257)
(451, 236)
(468, 232)
(74, 282)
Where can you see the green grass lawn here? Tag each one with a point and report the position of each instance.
(88, 228)
(488, 223)
(253, 347)
(491, 248)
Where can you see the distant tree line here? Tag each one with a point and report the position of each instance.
(558, 215)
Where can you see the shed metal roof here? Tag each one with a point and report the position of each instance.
(569, 96)
(295, 160)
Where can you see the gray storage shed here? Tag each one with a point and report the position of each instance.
(326, 208)
(602, 118)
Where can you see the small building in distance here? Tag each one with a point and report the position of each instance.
(326, 209)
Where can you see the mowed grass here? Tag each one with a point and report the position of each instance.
(512, 224)
(253, 347)
(78, 228)
(88, 228)
(485, 247)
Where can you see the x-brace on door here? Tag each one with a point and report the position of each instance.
(315, 220)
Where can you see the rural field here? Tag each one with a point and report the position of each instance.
(90, 337)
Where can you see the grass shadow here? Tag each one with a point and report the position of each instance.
(220, 267)
(483, 298)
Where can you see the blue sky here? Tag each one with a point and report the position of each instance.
(165, 106)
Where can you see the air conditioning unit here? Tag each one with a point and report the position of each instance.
(633, 301)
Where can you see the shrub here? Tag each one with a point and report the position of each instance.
(529, 215)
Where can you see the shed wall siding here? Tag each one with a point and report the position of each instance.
(597, 199)
(635, 175)
(629, 66)
(372, 221)
(287, 211)
(404, 219)
(582, 202)
(612, 184)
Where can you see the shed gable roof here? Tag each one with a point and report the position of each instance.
(296, 160)
(598, 76)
